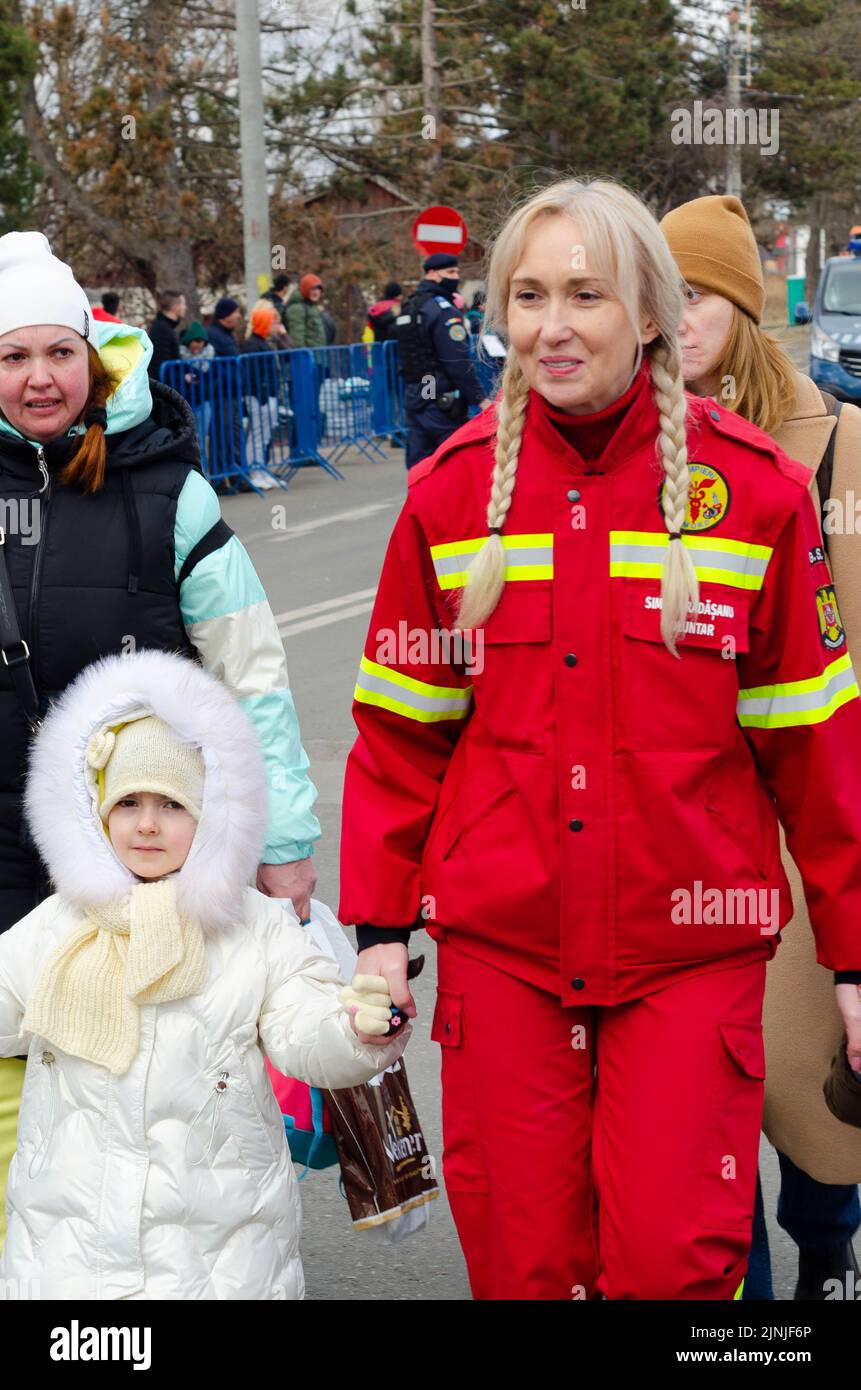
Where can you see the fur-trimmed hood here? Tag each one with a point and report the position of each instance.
(62, 795)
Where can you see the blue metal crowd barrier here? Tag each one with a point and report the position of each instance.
(261, 416)
(253, 412)
(389, 416)
(342, 387)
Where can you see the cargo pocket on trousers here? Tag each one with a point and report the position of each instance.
(462, 1156)
(733, 1125)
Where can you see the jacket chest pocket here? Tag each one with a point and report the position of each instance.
(230, 1110)
(512, 685)
(683, 702)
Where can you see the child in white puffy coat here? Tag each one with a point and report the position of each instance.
(152, 1160)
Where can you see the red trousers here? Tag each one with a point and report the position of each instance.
(600, 1150)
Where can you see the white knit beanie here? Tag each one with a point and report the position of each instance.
(37, 288)
(145, 755)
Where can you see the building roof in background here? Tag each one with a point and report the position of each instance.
(325, 189)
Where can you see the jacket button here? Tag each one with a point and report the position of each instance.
(578, 983)
(575, 825)
(573, 495)
(448, 1027)
(570, 659)
(714, 414)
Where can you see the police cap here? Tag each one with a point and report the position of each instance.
(440, 260)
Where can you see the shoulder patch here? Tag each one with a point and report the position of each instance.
(441, 299)
(831, 629)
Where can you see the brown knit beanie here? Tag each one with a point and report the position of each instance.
(714, 247)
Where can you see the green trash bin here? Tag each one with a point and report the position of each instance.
(794, 294)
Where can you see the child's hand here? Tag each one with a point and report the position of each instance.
(369, 1004)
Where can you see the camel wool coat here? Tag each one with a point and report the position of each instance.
(802, 1024)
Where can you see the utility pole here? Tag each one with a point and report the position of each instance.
(255, 199)
(431, 92)
(733, 102)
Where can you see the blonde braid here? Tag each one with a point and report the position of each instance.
(679, 584)
(486, 575)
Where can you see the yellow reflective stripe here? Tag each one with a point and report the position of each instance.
(375, 697)
(716, 560)
(788, 704)
(637, 569)
(843, 663)
(411, 698)
(788, 720)
(693, 541)
(512, 573)
(471, 547)
(433, 692)
(528, 556)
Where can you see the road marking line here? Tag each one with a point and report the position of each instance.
(323, 619)
(324, 605)
(305, 528)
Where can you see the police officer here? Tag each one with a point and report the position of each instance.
(439, 376)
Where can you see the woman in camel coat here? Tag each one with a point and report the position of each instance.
(727, 355)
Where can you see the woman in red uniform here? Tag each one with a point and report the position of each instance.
(580, 803)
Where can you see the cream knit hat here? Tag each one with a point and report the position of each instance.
(37, 288)
(145, 755)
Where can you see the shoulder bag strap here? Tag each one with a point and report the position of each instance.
(14, 651)
(825, 471)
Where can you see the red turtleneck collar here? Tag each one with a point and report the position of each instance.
(590, 434)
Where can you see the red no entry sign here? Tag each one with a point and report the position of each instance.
(439, 228)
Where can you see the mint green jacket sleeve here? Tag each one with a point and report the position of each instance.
(229, 621)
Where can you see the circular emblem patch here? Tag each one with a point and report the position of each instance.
(708, 498)
(457, 332)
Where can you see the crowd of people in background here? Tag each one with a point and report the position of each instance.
(285, 317)
(300, 319)
(288, 315)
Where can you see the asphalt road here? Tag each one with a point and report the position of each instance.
(318, 549)
(320, 573)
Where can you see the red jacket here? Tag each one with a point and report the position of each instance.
(551, 811)
(381, 317)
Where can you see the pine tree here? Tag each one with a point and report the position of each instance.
(472, 101)
(136, 137)
(18, 175)
(807, 66)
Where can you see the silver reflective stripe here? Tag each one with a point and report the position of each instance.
(429, 704)
(532, 555)
(703, 559)
(796, 703)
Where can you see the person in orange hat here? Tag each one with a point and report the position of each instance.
(303, 318)
(261, 387)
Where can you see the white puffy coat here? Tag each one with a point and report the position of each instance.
(173, 1181)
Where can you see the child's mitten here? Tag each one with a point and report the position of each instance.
(370, 1003)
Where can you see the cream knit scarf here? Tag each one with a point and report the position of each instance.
(136, 951)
